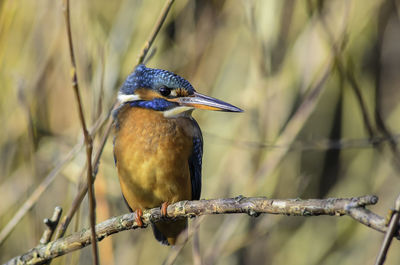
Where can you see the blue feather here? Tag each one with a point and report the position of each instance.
(195, 161)
(144, 77)
(158, 104)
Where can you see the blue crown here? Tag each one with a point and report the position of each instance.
(144, 77)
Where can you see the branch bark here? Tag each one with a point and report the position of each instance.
(253, 206)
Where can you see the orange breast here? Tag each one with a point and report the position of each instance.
(152, 155)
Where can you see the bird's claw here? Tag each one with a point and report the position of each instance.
(138, 218)
(164, 207)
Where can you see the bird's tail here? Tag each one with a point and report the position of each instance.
(168, 232)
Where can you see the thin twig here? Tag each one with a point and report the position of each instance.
(368, 218)
(155, 31)
(391, 231)
(87, 135)
(252, 206)
(51, 225)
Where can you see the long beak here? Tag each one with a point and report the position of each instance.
(201, 101)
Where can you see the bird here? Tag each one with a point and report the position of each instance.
(158, 145)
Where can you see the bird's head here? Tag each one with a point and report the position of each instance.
(165, 91)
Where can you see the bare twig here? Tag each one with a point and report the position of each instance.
(51, 225)
(391, 231)
(368, 218)
(252, 206)
(87, 135)
(155, 31)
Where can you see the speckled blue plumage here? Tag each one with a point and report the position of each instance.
(144, 77)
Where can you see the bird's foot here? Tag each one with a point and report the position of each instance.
(164, 207)
(138, 217)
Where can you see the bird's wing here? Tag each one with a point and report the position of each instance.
(195, 162)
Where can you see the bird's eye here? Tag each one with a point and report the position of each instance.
(165, 91)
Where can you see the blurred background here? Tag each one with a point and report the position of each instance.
(319, 83)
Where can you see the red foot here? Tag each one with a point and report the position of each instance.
(138, 217)
(164, 207)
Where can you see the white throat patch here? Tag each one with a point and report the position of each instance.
(126, 98)
(181, 111)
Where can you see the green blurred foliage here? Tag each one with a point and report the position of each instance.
(263, 56)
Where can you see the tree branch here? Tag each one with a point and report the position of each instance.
(252, 206)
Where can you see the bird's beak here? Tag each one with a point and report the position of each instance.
(201, 101)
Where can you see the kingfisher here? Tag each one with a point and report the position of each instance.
(158, 145)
